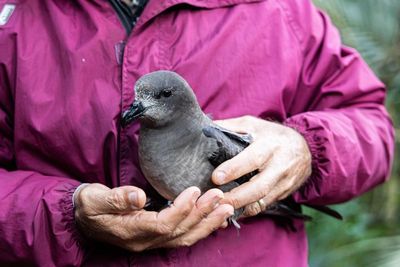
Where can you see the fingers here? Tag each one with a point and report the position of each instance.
(179, 219)
(209, 200)
(212, 222)
(261, 185)
(166, 221)
(205, 205)
(250, 159)
(246, 193)
(116, 215)
(274, 184)
(255, 208)
(99, 199)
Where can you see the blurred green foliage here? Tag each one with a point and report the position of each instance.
(370, 234)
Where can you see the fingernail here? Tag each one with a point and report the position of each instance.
(133, 198)
(220, 175)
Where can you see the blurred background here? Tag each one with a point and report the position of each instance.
(370, 234)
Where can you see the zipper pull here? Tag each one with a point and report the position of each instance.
(119, 52)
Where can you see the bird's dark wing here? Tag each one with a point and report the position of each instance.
(228, 146)
(244, 139)
(325, 209)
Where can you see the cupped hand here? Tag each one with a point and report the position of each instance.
(117, 216)
(279, 153)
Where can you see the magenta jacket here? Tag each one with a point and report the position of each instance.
(65, 79)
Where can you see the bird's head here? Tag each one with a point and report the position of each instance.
(161, 97)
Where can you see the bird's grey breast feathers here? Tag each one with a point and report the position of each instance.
(173, 164)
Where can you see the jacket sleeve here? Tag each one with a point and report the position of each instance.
(339, 109)
(36, 215)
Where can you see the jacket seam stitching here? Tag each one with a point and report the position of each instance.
(292, 24)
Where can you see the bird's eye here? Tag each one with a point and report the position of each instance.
(166, 93)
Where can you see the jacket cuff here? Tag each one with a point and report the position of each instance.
(68, 216)
(313, 134)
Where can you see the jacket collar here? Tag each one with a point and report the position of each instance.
(156, 7)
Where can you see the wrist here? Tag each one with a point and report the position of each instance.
(76, 193)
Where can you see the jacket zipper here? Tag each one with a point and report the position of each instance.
(126, 19)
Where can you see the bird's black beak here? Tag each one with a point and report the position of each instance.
(134, 111)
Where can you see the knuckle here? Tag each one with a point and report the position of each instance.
(253, 209)
(259, 158)
(179, 231)
(164, 229)
(235, 202)
(116, 200)
(203, 214)
(263, 192)
(186, 211)
(248, 213)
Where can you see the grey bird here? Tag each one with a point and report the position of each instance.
(180, 146)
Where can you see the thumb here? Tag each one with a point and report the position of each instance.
(124, 199)
(99, 199)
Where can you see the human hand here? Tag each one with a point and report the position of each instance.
(117, 216)
(279, 153)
